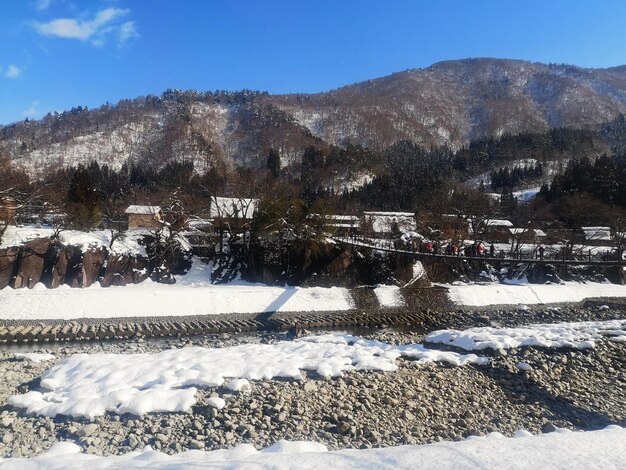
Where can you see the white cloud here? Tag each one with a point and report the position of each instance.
(127, 31)
(42, 5)
(96, 30)
(32, 111)
(13, 71)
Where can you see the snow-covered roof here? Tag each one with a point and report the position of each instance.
(518, 231)
(232, 207)
(142, 210)
(597, 233)
(349, 218)
(499, 223)
(389, 214)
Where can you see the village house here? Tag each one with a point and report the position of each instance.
(338, 224)
(232, 213)
(454, 227)
(8, 211)
(497, 230)
(594, 236)
(527, 236)
(388, 223)
(143, 217)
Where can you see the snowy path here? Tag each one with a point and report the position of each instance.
(559, 450)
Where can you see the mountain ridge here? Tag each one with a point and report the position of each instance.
(448, 103)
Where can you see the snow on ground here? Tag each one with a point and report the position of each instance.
(389, 296)
(579, 335)
(89, 385)
(97, 239)
(34, 357)
(507, 294)
(150, 299)
(558, 450)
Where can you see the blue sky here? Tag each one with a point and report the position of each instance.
(57, 54)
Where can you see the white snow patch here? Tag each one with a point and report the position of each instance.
(389, 296)
(558, 450)
(34, 357)
(239, 385)
(216, 402)
(501, 294)
(89, 385)
(578, 335)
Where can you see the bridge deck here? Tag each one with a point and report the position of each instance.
(423, 256)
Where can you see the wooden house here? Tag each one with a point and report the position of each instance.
(8, 211)
(388, 223)
(232, 213)
(143, 217)
(454, 227)
(527, 236)
(337, 224)
(594, 236)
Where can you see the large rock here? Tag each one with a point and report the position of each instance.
(60, 267)
(93, 260)
(31, 263)
(8, 258)
(123, 269)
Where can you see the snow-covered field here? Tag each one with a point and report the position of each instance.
(91, 384)
(150, 299)
(510, 294)
(603, 449)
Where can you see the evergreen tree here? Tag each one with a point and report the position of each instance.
(273, 162)
(83, 200)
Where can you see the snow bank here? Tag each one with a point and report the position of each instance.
(579, 335)
(389, 296)
(128, 244)
(150, 299)
(558, 450)
(500, 294)
(90, 384)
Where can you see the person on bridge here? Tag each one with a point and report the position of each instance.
(492, 251)
(480, 249)
(541, 251)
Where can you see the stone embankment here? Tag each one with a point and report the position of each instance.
(421, 303)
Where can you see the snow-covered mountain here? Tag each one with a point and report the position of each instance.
(449, 103)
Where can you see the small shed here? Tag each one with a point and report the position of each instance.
(232, 213)
(8, 211)
(388, 223)
(140, 216)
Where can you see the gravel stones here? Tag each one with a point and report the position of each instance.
(417, 404)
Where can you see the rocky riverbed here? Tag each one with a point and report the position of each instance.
(419, 403)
